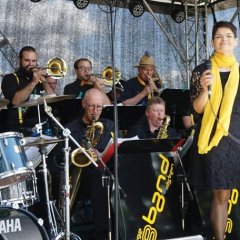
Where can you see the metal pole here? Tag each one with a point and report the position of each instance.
(167, 35)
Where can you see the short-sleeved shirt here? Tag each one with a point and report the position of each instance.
(133, 87)
(10, 85)
(76, 89)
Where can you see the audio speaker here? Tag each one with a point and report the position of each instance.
(197, 237)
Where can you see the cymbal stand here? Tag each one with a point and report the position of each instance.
(67, 135)
(50, 208)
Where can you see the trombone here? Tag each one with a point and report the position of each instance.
(107, 76)
(56, 68)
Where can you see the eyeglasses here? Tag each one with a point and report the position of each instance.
(91, 107)
(82, 68)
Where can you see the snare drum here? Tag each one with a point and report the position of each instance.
(20, 224)
(13, 160)
(23, 194)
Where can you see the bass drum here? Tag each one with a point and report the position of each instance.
(20, 224)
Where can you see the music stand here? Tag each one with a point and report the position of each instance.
(148, 145)
(177, 105)
(169, 146)
(127, 115)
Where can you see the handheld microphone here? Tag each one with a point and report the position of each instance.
(208, 66)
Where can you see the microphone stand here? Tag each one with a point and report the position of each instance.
(67, 135)
(116, 182)
(180, 153)
(107, 178)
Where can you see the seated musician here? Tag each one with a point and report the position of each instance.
(148, 126)
(91, 177)
(136, 173)
(85, 81)
(26, 83)
(139, 89)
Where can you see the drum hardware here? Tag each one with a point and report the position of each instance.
(67, 135)
(3, 102)
(41, 144)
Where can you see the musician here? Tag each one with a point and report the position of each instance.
(85, 80)
(52, 82)
(148, 126)
(27, 83)
(91, 177)
(139, 89)
(136, 173)
(215, 165)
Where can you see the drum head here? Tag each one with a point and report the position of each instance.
(20, 224)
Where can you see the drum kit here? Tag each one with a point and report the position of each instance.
(18, 184)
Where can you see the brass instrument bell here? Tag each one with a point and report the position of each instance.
(56, 68)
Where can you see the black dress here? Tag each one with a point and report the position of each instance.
(220, 167)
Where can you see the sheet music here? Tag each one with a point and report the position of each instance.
(33, 153)
(109, 150)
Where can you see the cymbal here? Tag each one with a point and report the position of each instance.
(48, 98)
(3, 102)
(42, 141)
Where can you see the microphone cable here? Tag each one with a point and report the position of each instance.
(218, 121)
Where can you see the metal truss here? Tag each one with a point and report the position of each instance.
(8, 51)
(196, 42)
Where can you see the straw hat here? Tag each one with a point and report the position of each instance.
(146, 60)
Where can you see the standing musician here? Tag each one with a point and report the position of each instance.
(85, 80)
(215, 164)
(25, 84)
(91, 177)
(139, 89)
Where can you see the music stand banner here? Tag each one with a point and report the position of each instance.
(152, 206)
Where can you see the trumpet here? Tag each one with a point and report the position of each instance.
(155, 78)
(56, 68)
(107, 76)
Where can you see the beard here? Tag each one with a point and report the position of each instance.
(27, 71)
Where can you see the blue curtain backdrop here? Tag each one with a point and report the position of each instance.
(56, 28)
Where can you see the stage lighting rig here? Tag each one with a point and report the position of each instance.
(178, 13)
(136, 8)
(81, 4)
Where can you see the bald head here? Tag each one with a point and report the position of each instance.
(94, 93)
(92, 103)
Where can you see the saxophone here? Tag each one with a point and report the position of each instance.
(162, 134)
(79, 160)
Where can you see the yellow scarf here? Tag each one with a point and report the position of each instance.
(221, 101)
(143, 84)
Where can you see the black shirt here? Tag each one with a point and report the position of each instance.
(132, 87)
(78, 131)
(10, 85)
(76, 89)
(142, 130)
